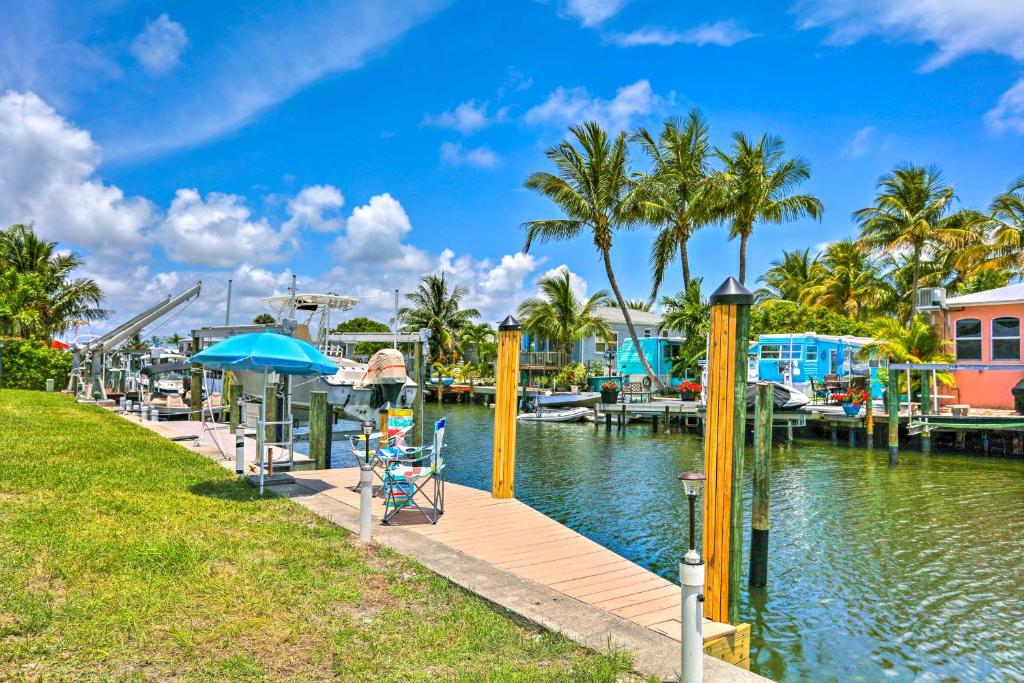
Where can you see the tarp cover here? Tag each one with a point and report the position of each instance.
(387, 366)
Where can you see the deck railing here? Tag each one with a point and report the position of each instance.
(551, 359)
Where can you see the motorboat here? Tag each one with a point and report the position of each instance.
(569, 400)
(556, 415)
(784, 396)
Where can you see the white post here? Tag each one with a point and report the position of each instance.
(365, 502)
(396, 318)
(240, 452)
(691, 579)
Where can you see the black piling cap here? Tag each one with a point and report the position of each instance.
(732, 292)
(509, 324)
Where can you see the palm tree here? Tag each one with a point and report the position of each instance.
(558, 315)
(438, 308)
(787, 277)
(593, 190)
(264, 319)
(913, 214)
(688, 311)
(639, 305)
(846, 281)
(40, 279)
(676, 193)
(1007, 215)
(919, 342)
(472, 338)
(755, 186)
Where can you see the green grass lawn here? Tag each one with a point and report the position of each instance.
(125, 556)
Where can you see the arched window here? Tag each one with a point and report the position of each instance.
(968, 339)
(1006, 339)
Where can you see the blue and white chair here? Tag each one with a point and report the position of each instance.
(420, 486)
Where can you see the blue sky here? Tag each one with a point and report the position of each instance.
(361, 144)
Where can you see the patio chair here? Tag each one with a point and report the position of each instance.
(419, 487)
(819, 392)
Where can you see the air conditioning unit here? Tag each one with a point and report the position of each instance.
(931, 299)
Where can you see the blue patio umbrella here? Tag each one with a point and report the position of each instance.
(266, 352)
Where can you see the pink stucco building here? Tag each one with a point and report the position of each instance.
(984, 328)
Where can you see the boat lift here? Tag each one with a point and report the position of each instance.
(93, 352)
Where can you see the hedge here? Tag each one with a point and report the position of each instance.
(28, 363)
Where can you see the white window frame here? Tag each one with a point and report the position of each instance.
(993, 337)
(776, 347)
(957, 338)
(600, 346)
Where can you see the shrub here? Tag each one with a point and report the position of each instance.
(28, 363)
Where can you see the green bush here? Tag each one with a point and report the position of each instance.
(28, 363)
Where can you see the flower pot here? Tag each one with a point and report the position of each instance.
(573, 388)
(688, 395)
(851, 410)
(609, 395)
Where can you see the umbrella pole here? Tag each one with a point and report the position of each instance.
(262, 427)
(291, 421)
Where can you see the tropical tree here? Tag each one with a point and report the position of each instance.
(846, 281)
(919, 342)
(688, 311)
(756, 186)
(361, 323)
(472, 339)
(639, 305)
(1007, 216)
(787, 277)
(264, 319)
(40, 296)
(676, 196)
(438, 307)
(558, 315)
(593, 190)
(913, 214)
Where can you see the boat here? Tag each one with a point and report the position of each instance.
(569, 400)
(563, 415)
(784, 396)
(447, 381)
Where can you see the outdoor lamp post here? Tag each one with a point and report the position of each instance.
(691, 579)
(366, 486)
(610, 357)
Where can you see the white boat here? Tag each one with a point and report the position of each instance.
(784, 396)
(569, 400)
(563, 415)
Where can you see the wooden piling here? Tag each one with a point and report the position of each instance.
(196, 393)
(725, 432)
(892, 407)
(759, 520)
(926, 409)
(234, 392)
(270, 403)
(506, 401)
(869, 420)
(320, 429)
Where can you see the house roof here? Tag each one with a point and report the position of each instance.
(1010, 294)
(846, 339)
(613, 316)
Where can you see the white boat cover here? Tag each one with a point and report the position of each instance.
(387, 366)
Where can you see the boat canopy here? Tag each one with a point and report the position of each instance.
(312, 302)
(161, 368)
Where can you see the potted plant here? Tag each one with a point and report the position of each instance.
(609, 391)
(852, 401)
(689, 391)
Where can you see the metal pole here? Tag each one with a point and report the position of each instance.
(227, 310)
(691, 581)
(366, 488)
(260, 436)
(396, 318)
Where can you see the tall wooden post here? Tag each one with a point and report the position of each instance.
(225, 397)
(869, 419)
(505, 408)
(926, 409)
(892, 407)
(196, 387)
(234, 392)
(270, 402)
(725, 431)
(759, 521)
(320, 429)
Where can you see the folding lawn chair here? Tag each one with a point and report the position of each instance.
(420, 486)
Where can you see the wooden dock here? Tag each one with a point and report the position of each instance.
(513, 536)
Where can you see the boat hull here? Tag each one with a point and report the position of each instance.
(576, 400)
(565, 415)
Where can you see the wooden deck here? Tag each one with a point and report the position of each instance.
(513, 536)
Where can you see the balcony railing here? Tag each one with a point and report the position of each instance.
(547, 359)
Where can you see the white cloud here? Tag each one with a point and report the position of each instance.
(592, 12)
(158, 48)
(316, 207)
(955, 27)
(861, 142)
(218, 231)
(576, 283)
(1008, 114)
(468, 117)
(722, 33)
(515, 81)
(374, 235)
(572, 105)
(455, 154)
(48, 176)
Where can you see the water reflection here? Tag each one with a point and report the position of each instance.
(875, 572)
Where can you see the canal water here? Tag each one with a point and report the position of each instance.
(906, 573)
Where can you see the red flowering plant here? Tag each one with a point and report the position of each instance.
(853, 397)
(688, 388)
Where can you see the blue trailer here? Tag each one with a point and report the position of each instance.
(660, 352)
(801, 358)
